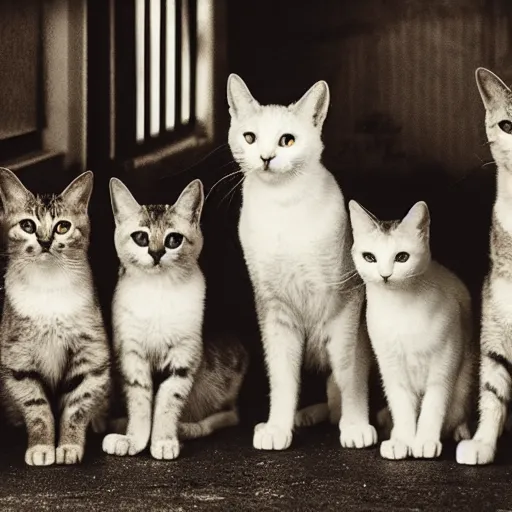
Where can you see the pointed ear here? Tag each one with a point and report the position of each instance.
(190, 203)
(360, 219)
(12, 191)
(315, 103)
(493, 90)
(240, 99)
(123, 203)
(417, 218)
(78, 192)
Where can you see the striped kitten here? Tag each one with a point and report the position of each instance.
(496, 340)
(418, 315)
(173, 385)
(54, 350)
(296, 240)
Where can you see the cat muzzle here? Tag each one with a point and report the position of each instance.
(45, 245)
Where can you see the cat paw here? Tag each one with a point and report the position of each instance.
(357, 436)
(473, 452)
(394, 449)
(69, 454)
(40, 455)
(121, 445)
(166, 449)
(461, 432)
(271, 437)
(312, 415)
(426, 448)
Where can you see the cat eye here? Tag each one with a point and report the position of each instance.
(369, 257)
(62, 227)
(173, 240)
(29, 226)
(506, 126)
(402, 257)
(287, 140)
(141, 238)
(249, 137)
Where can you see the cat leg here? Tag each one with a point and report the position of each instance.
(333, 401)
(26, 389)
(495, 388)
(312, 415)
(403, 406)
(283, 355)
(208, 425)
(170, 400)
(349, 353)
(86, 387)
(138, 390)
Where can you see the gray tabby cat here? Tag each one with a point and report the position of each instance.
(174, 385)
(54, 350)
(296, 241)
(496, 335)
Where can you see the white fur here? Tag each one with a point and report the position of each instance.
(293, 231)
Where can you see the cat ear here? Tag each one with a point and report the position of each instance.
(190, 203)
(417, 218)
(123, 203)
(12, 191)
(315, 103)
(360, 219)
(493, 90)
(240, 99)
(78, 192)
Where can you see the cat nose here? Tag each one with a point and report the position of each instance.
(266, 161)
(45, 244)
(156, 255)
(385, 278)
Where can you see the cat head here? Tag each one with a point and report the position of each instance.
(497, 99)
(156, 238)
(390, 252)
(47, 229)
(275, 141)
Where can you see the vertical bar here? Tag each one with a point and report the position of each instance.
(193, 59)
(163, 63)
(154, 65)
(140, 66)
(147, 68)
(170, 70)
(185, 62)
(177, 61)
(112, 65)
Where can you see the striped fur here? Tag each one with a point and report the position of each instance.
(175, 386)
(54, 353)
(496, 332)
(296, 242)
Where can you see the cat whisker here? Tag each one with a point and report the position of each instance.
(232, 191)
(220, 181)
(489, 163)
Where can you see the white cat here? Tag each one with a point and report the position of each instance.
(419, 321)
(296, 242)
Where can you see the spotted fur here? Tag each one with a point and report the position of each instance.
(174, 384)
(54, 353)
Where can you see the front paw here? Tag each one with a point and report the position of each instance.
(426, 448)
(166, 449)
(69, 454)
(357, 436)
(40, 455)
(394, 449)
(271, 437)
(122, 445)
(473, 452)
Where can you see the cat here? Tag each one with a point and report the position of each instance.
(158, 309)
(55, 360)
(496, 323)
(296, 242)
(419, 319)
